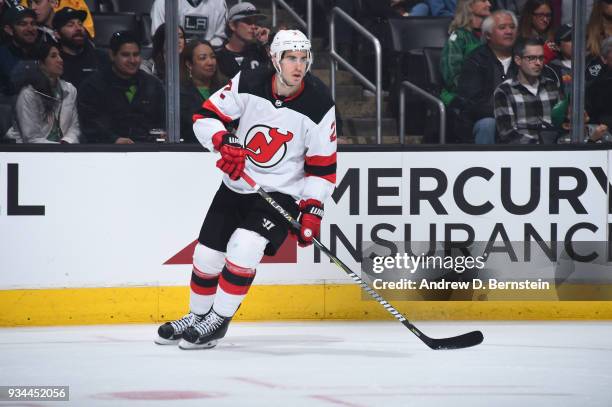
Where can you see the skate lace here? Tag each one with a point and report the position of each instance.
(188, 320)
(209, 324)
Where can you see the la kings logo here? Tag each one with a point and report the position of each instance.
(266, 146)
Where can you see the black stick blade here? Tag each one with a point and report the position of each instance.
(456, 342)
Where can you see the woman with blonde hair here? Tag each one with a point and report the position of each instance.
(464, 37)
(599, 27)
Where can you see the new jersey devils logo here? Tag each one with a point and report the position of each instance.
(266, 146)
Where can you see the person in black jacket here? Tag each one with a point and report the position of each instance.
(484, 69)
(246, 47)
(200, 78)
(597, 98)
(19, 25)
(81, 58)
(121, 104)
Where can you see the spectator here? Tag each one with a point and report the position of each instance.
(599, 27)
(464, 37)
(45, 12)
(156, 65)
(523, 105)
(121, 104)
(245, 48)
(536, 22)
(562, 64)
(75, 4)
(485, 68)
(200, 78)
(434, 8)
(45, 109)
(20, 27)
(598, 93)
(80, 57)
(205, 19)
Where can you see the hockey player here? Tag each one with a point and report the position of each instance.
(287, 141)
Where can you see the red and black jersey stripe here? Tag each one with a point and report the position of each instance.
(323, 166)
(209, 110)
(236, 280)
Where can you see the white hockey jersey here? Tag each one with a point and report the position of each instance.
(290, 142)
(199, 18)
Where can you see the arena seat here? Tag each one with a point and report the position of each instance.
(108, 23)
(409, 36)
(418, 32)
(105, 6)
(433, 84)
(433, 77)
(145, 29)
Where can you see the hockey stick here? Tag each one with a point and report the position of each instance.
(456, 342)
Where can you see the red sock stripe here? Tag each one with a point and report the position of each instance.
(236, 281)
(205, 284)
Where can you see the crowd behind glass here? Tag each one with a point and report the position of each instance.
(506, 68)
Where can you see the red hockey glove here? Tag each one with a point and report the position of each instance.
(232, 154)
(310, 220)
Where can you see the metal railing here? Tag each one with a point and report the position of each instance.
(173, 98)
(304, 24)
(335, 58)
(425, 95)
(578, 69)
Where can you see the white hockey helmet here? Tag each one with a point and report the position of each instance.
(289, 40)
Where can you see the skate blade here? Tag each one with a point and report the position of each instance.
(183, 344)
(163, 341)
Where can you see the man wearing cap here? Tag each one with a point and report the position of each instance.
(204, 19)
(19, 24)
(120, 103)
(245, 48)
(75, 4)
(80, 57)
(562, 64)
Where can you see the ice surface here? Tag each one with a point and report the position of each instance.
(318, 364)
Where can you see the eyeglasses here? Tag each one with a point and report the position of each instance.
(543, 15)
(533, 58)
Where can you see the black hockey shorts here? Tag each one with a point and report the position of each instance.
(230, 211)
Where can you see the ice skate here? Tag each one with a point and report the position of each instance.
(171, 333)
(206, 333)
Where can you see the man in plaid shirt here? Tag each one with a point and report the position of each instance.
(523, 105)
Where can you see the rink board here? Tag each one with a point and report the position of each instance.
(90, 237)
